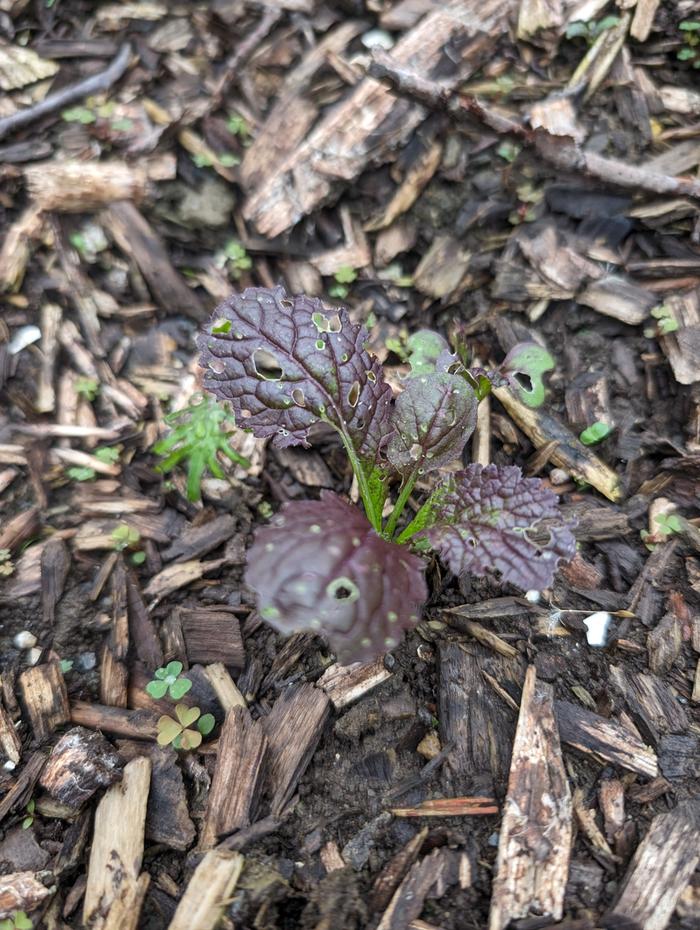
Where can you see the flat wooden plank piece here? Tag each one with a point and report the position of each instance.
(535, 839)
(210, 887)
(661, 868)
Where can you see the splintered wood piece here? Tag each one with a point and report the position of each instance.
(597, 736)
(167, 815)
(345, 684)
(473, 720)
(644, 13)
(535, 837)
(137, 239)
(81, 186)
(21, 791)
(652, 703)
(437, 871)
(213, 634)
(210, 887)
(197, 541)
(44, 697)
(237, 776)
(20, 528)
(419, 174)
(371, 120)
(20, 891)
(661, 868)
(125, 912)
(141, 627)
(293, 729)
(132, 724)
(114, 675)
(80, 763)
(179, 575)
(224, 687)
(449, 807)
(117, 841)
(16, 248)
(570, 453)
(483, 635)
(51, 316)
(10, 743)
(395, 871)
(55, 564)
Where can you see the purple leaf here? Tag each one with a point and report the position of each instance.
(320, 566)
(491, 519)
(433, 418)
(285, 363)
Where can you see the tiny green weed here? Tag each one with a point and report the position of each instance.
(176, 731)
(168, 680)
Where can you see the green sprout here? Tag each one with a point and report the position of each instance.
(344, 275)
(238, 126)
(79, 115)
(508, 151)
(107, 454)
(595, 433)
(177, 732)
(235, 258)
(666, 321)
(87, 388)
(669, 523)
(29, 819)
(81, 473)
(691, 36)
(591, 30)
(168, 680)
(198, 433)
(18, 921)
(126, 537)
(207, 160)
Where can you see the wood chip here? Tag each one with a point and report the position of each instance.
(44, 697)
(80, 186)
(536, 830)
(21, 891)
(80, 764)
(209, 889)
(117, 841)
(597, 736)
(345, 684)
(213, 634)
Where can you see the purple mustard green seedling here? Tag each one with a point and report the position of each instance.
(286, 364)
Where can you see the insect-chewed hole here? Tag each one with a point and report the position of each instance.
(221, 326)
(286, 303)
(343, 589)
(267, 366)
(298, 397)
(334, 324)
(354, 394)
(525, 381)
(217, 366)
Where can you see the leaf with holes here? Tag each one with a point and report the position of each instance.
(320, 566)
(493, 519)
(433, 418)
(523, 367)
(285, 363)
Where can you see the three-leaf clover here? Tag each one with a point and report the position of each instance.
(177, 731)
(167, 680)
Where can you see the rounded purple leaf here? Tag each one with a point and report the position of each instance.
(320, 566)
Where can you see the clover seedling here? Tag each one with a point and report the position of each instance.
(177, 732)
(286, 364)
(126, 537)
(87, 388)
(29, 818)
(198, 433)
(595, 433)
(168, 680)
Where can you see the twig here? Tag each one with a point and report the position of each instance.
(560, 151)
(90, 85)
(242, 53)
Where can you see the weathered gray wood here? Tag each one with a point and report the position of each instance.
(535, 838)
(661, 868)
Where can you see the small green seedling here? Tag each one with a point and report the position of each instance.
(691, 36)
(177, 732)
(87, 388)
(6, 565)
(126, 537)
(235, 259)
(666, 321)
(81, 473)
(107, 454)
(595, 433)
(508, 151)
(168, 680)
(224, 160)
(668, 523)
(18, 921)
(81, 115)
(29, 818)
(198, 433)
(238, 126)
(344, 275)
(591, 30)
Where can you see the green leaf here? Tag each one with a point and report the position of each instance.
(606, 23)
(27, 822)
(577, 30)
(186, 715)
(66, 665)
(190, 739)
(21, 921)
(669, 523)
(157, 689)
(168, 730)
(79, 115)
(339, 291)
(107, 454)
(686, 54)
(205, 724)
(78, 473)
(180, 688)
(228, 160)
(345, 275)
(378, 488)
(595, 433)
(173, 669)
(138, 558)
(530, 361)
(124, 124)
(509, 151)
(690, 25)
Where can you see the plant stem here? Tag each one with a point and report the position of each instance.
(417, 523)
(400, 503)
(374, 518)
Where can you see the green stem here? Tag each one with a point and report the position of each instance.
(401, 503)
(374, 518)
(419, 521)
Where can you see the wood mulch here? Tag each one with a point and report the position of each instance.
(513, 169)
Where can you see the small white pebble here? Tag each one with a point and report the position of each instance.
(33, 655)
(597, 625)
(87, 661)
(377, 38)
(22, 338)
(533, 596)
(558, 476)
(9, 765)
(24, 640)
